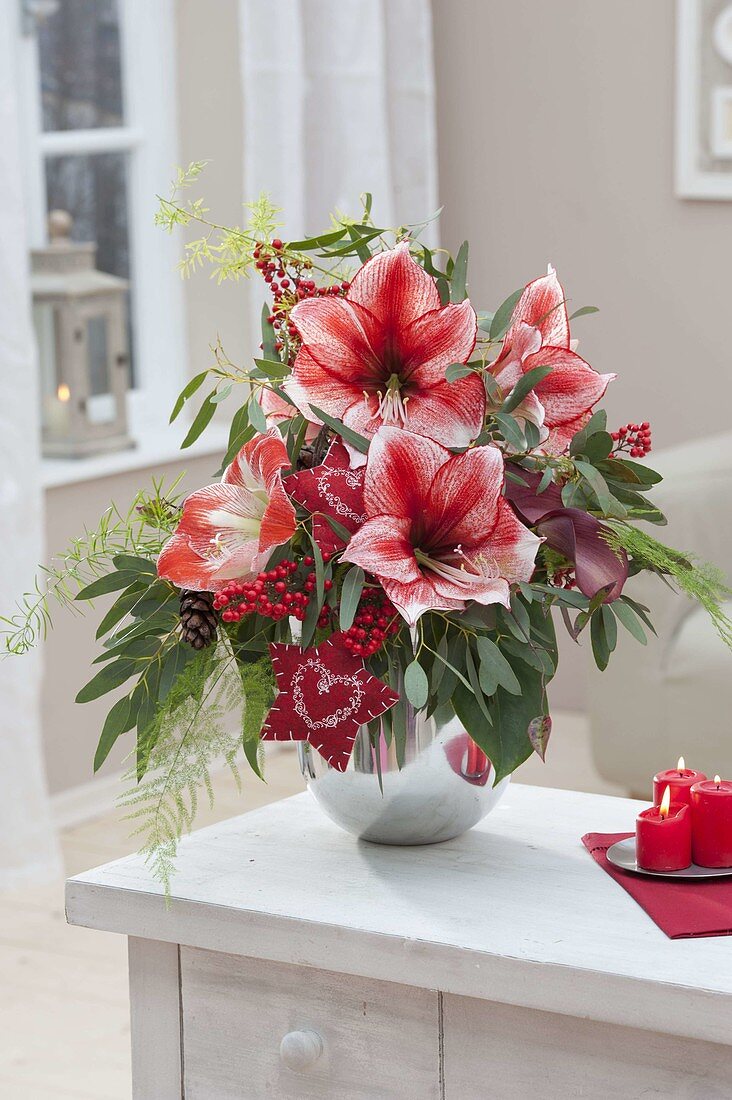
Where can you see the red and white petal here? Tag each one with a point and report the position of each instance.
(311, 384)
(383, 547)
(278, 522)
(462, 502)
(220, 515)
(485, 590)
(571, 388)
(333, 333)
(400, 470)
(414, 598)
(178, 563)
(266, 455)
(451, 413)
(561, 435)
(394, 287)
(543, 304)
(432, 342)
(510, 548)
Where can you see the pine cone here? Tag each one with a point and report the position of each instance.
(197, 618)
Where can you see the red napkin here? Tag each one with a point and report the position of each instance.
(680, 909)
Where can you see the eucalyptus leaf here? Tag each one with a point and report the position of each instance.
(351, 590)
(135, 564)
(628, 618)
(416, 685)
(457, 370)
(120, 719)
(526, 383)
(458, 282)
(539, 733)
(220, 395)
(502, 316)
(497, 666)
(510, 431)
(256, 415)
(273, 368)
(110, 582)
(600, 648)
(109, 678)
(583, 311)
(188, 390)
(203, 418)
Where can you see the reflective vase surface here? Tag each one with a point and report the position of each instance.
(444, 787)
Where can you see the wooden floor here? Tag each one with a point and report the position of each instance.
(64, 1030)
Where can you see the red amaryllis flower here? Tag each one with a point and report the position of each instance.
(229, 530)
(438, 532)
(538, 336)
(378, 355)
(573, 533)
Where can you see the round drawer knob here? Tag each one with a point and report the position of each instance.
(300, 1050)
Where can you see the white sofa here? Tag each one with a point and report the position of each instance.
(674, 696)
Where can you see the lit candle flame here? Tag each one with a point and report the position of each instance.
(663, 809)
(681, 766)
(717, 780)
(63, 393)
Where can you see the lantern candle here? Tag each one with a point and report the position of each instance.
(57, 411)
(663, 836)
(680, 779)
(711, 815)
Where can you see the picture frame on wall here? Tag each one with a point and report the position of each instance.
(703, 113)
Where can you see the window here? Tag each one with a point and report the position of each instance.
(101, 137)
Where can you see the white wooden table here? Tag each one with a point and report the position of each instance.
(501, 964)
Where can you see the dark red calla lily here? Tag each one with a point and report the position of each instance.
(572, 533)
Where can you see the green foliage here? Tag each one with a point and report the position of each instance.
(139, 532)
(698, 580)
(200, 722)
(259, 692)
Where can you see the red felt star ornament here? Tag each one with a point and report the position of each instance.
(325, 694)
(332, 489)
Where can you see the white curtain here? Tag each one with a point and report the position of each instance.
(338, 100)
(28, 849)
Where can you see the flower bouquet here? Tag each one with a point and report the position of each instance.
(412, 487)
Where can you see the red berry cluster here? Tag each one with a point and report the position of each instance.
(635, 439)
(564, 578)
(272, 594)
(289, 285)
(376, 618)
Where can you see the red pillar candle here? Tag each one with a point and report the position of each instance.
(680, 779)
(663, 836)
(711, 817)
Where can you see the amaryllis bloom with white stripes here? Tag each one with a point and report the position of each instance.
(438, 532)
(538, 336)
(378, 355)
(229, 530)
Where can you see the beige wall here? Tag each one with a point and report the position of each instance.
(555, 132)
(211, 127)
(555, 142)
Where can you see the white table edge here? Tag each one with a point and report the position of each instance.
(551, 987)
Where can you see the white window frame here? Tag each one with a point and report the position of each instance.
(150, 137)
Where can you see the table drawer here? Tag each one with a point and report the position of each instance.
(380, 1040)
(500, 1052)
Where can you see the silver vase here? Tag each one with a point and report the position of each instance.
(443, 787)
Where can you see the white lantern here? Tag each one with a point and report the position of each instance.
(80, 319)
